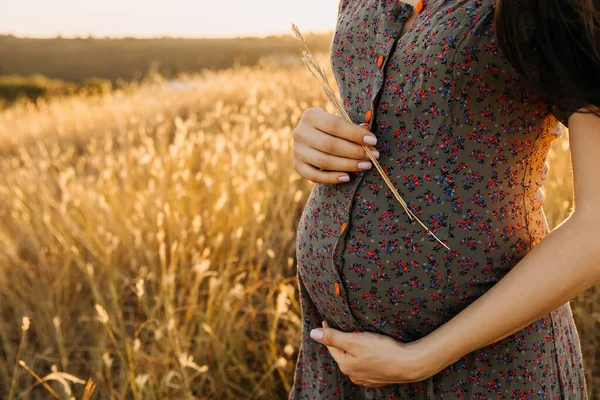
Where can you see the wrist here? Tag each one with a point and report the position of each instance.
(434, 354)
(450, 343)
(422, 356)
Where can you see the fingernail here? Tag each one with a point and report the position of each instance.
(344, 178)
(316, 334)
(374, 152)
(368, 139)
(364, 165)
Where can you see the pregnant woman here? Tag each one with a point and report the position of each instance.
(460, 101)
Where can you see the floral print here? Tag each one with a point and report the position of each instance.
(464, 142)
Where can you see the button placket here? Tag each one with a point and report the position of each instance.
(348, 323)
(344, 319)
(385, 43)
(386, 46)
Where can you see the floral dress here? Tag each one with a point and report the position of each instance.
(464, 142)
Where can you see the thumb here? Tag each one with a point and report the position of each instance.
(330, 337)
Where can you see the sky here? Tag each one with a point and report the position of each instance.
(178, 18)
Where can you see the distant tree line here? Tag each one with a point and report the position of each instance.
(75, 60)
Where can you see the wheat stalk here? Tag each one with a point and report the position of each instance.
(319, 74)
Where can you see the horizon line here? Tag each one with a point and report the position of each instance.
(164, 36)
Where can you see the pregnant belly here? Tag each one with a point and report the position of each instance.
(384, 273)
(395, 285)
(390, 274)
(401, 282)
(395, 273)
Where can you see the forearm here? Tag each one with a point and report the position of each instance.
(565, 263)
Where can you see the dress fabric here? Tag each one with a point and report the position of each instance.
(465, 143)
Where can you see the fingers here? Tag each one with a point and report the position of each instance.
(334, 163)
(334, 338)
(322, 157)
(308, 159)
(371, 148)
(326, 143)
(337, 126)
(338, 354)
(315, 175)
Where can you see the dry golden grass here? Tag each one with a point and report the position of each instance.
(149, 238)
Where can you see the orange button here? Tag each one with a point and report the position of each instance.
(344, 227)
(337, 289)
(419, 6)
(368, 116)
(379, 61)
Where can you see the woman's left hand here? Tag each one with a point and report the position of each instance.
(373, 360)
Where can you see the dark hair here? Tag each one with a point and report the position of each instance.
(556, 45)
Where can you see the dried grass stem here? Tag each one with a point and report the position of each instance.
(319, 74)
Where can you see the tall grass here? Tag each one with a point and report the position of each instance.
(149, 238)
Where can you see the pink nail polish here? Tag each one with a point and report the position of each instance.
(316, 334)
(364, 165)
(344, 178)
(368, 139)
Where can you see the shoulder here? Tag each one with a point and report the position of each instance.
(564, 111)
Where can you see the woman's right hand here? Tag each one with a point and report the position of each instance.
(328, 141)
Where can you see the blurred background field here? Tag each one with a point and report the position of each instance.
(49, 67)
(149, 218)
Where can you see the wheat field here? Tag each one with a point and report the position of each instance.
(148, 240)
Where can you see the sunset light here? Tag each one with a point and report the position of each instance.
(179, 18)
(299, 199)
